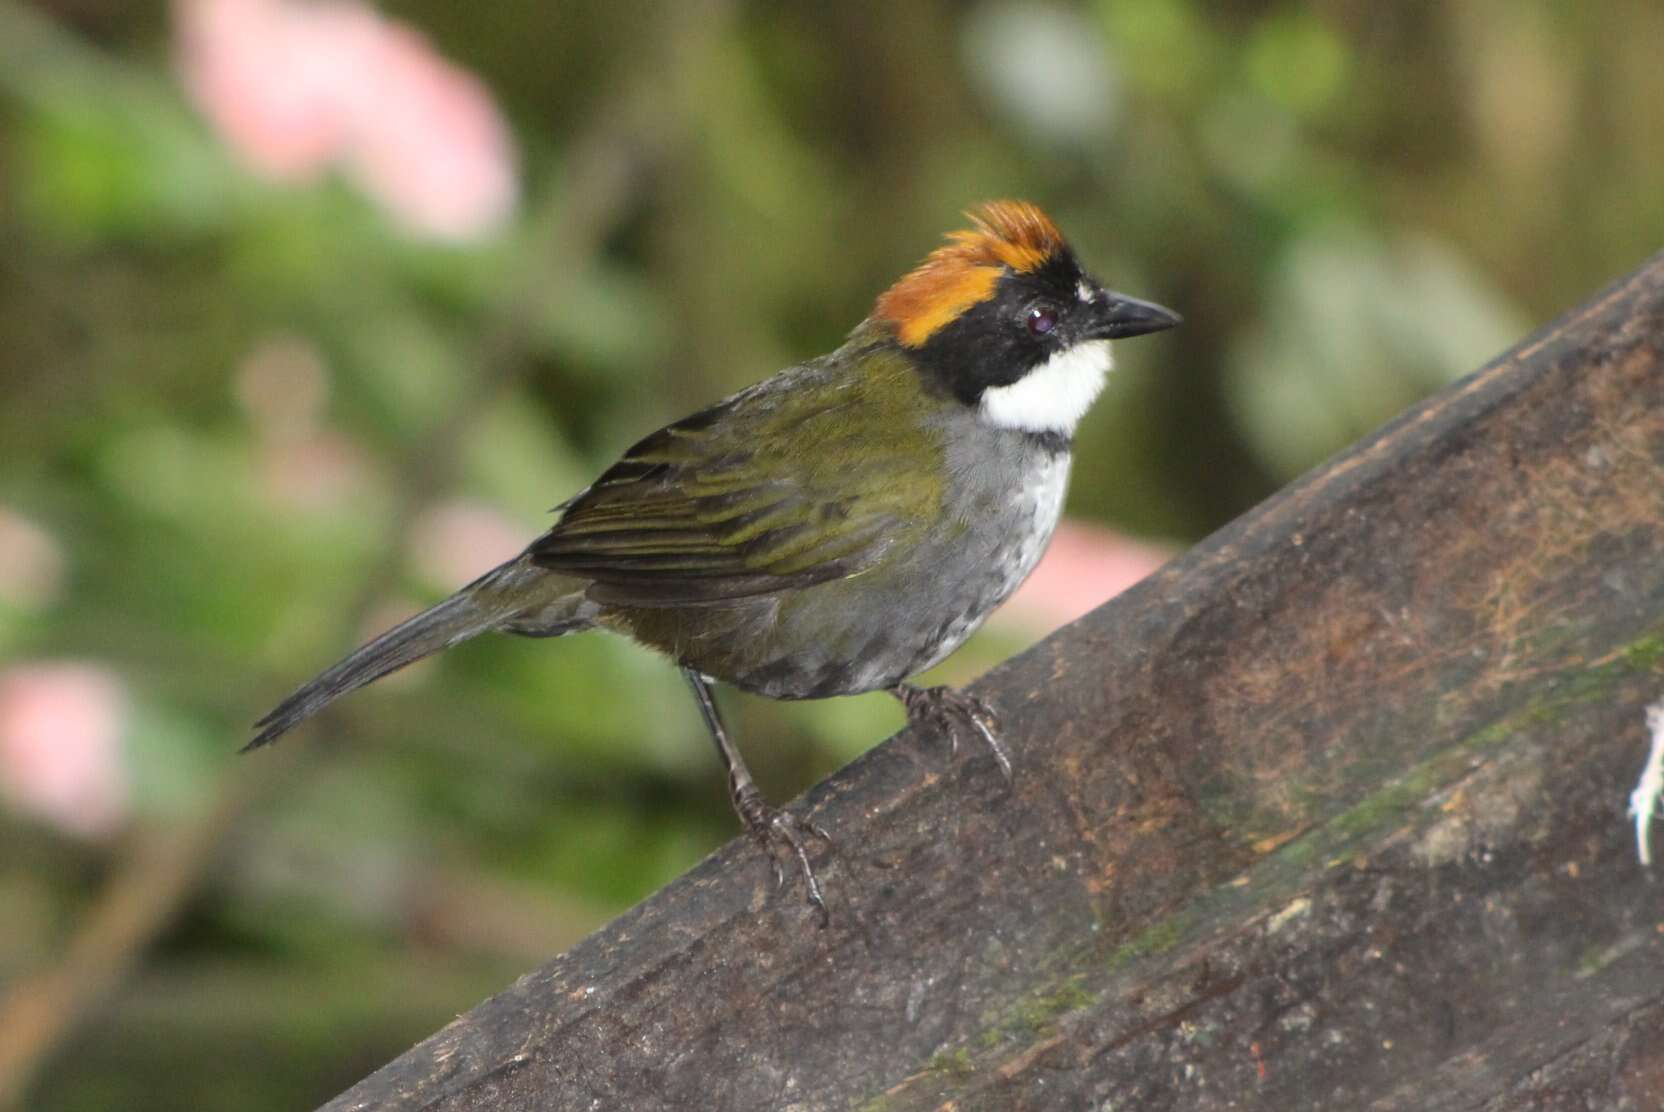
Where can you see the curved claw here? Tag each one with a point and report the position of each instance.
(995, 744)
(782, 825)
(950, 711)
(779, 870)
(773, 828)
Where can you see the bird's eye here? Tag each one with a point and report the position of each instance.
(1041, 320)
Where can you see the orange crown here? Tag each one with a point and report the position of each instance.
(963, 272)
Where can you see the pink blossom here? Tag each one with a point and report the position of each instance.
(429, 144)
(61, 751)
(269, 76)
(31, 563)
(1085, 567)
(283, 385)
(455, 541)
(296, 88)
(321, 470)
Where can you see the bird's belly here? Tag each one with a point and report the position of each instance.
(873, 630)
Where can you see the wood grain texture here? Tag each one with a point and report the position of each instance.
(1329, 813)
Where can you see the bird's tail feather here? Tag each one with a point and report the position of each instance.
(489, 602)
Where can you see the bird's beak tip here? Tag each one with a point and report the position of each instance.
(1125, 316)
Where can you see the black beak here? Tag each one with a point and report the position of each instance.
(1120, 316)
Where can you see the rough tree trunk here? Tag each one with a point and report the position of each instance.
(1328, 813)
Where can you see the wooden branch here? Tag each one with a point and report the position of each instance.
(1328, 813)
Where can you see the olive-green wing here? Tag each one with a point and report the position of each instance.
(789, 483)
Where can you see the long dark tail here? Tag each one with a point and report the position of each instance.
(490, 602)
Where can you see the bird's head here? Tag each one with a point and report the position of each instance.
(1006, 320)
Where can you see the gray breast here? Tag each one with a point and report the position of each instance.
(1004, 492)
(1013, 510)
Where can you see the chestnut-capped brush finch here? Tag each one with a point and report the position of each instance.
(833, 529)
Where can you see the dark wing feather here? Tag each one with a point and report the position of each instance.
(789, 483)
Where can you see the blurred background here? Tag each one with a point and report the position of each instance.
(310, 311)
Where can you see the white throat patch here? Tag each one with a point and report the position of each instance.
(1055, 395)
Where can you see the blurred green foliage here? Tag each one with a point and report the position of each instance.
(1352, 204)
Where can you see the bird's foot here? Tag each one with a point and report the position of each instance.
(954, 713)
(782, 834)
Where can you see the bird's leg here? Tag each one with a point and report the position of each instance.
(775, 830)
(951, 712)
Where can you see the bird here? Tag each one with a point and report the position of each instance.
(834, 529)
